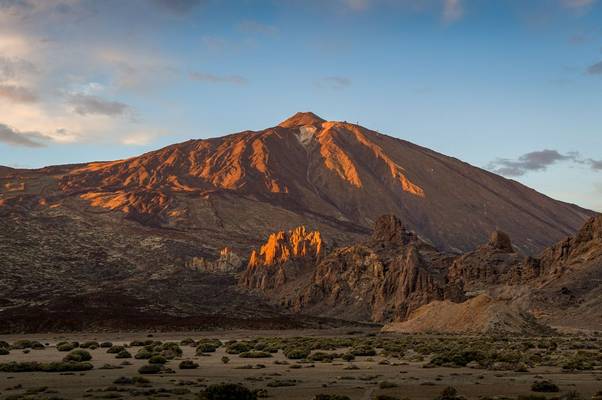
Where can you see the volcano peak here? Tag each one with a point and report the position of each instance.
(301, 119)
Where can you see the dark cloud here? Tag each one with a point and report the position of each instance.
(84, 104)
(534, 161)
(596, 165)
(334, 82)
(178, 6)
(13, 137)
(595, 69)
(211, 78)
(17, 94)
(538, 161)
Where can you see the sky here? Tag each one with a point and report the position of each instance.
(512, 86)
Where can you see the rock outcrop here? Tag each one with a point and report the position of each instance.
(283, 256)
(228, 262)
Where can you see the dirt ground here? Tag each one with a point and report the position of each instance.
(360, 382)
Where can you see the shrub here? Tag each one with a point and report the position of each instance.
(150, 369)
(187, 342)
(4, 344)
(157, 359)
(228, 391)
(331, 397)
(106, 345)
(238, 347)
(205, 348)
(124, 354)
(4, 351)
(115, 349)
(225, 359)
(21, 344)
(89, 345)
(385, 397)
(545, 387)
(78, 355)
(449, 393)
(123, 380)
(255, 354)
(143, 354)
(296, 353)
(45, 367)
(387, 385)
(188, 364)
(64, 346)
(366, 351)
(348, 357)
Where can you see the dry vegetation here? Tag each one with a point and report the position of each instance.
(299, 365)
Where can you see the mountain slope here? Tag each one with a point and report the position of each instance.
(334, 176)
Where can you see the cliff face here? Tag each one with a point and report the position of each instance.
(394, 274)
(284, 256)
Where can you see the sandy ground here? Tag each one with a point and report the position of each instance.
(414, 381)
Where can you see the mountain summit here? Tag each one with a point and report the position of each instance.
(332, 176)
(301, 119)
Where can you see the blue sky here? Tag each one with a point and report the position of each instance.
(513, 86)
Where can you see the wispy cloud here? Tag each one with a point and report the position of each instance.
(538, 161)
(13, 137)
(84, 104)
(595, 69)
(577, 4)
(177, 6)
(17, 94)
(452, 10)
(333, 82)
(212, 78)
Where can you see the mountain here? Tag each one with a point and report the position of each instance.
(395, 277)
(72, 236)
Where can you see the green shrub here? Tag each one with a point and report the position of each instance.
(296, 353)
(205, 348)
(385, 397)
(124, 354)
(115, 349)
(65, 346)
(545, 387)
(225, 359)
(4, 345)
(21, 344)
(255, 354)
(366, 351)
(4, 351)
(106, 345)
(348, 357)
(143, 354)
(331, 397)
(150, 369)
(188, 364)
(228, 391)
(78, 355)
(449, 393)
(238, 347)
(89, 345)
(70, 366)
(157, 359)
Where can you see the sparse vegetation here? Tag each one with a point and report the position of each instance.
(78, 355)
(188, 364)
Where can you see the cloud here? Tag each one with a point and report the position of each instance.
(596, 165)
(577, 4)
(538, 161)
(211, 78)
(534, 161)
(333, 82)
(452, 10)
(84, 104)
(595, 69)
(356, 5)
(17, 94)
(14, 137)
